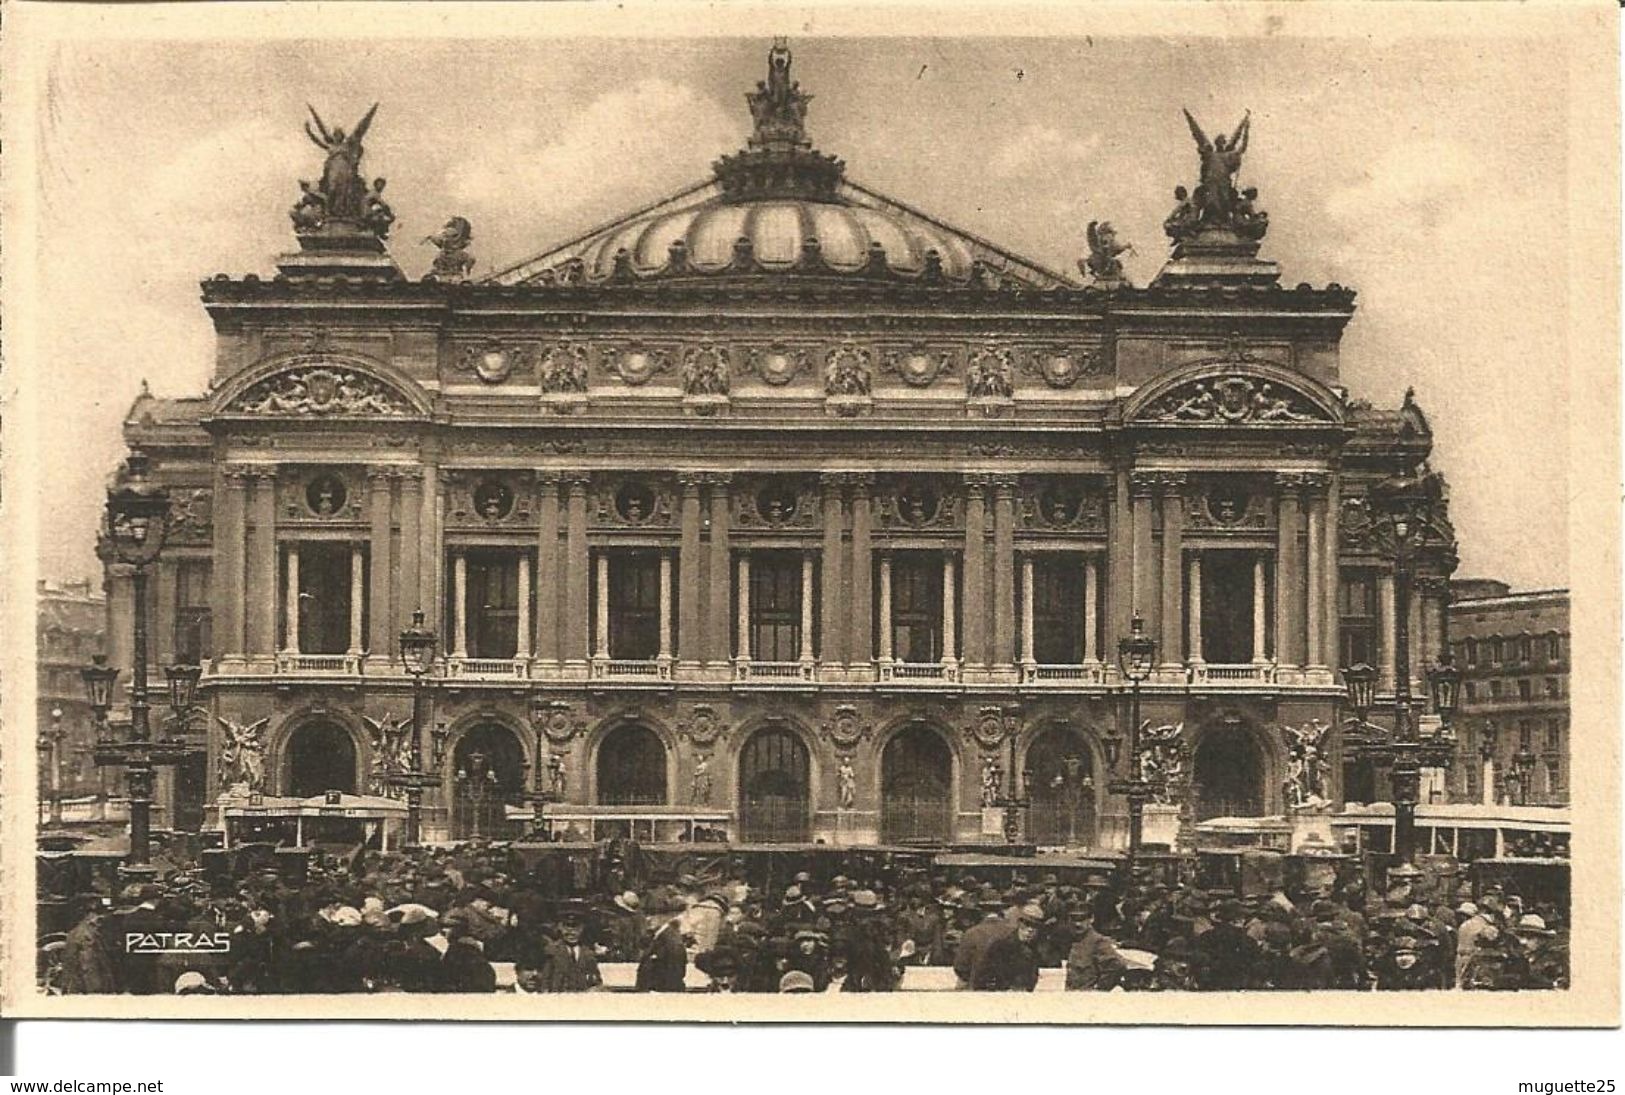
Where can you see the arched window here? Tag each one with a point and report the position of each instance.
(774, 788)
(916, 787)
(321, 758)
(632, 767)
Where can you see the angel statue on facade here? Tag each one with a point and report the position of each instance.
(391, 742)
(1216, 197)
(991, 776)
(242, 759)
(342, 187)
(1308, 764)
(1161, 756)
(454, 262)
(1103, 263)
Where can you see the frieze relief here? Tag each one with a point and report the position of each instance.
(321, 391)
(636, 363)
(1061, 367)
(1228, 506)
(777, 502)
(494, 362)
(562, 368)
(919, 364)
(778, 363)
(191, 515)
(631, 502)
(320, 495)
(918, 502)
(1061, 505)
(480, 499)
(1232, 400)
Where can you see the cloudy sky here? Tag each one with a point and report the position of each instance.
(1426, 173)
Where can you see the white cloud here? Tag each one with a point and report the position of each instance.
(1039, 146)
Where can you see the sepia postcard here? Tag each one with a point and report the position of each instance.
(1006, 513)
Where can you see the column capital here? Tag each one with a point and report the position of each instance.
(691, 482)
(1003, 483)
(860, 482)
(380, 475)
(1291, 481)
(407, 473)
(716, 479)
(548, 477)
(977, 481)
(577, 482)
(265, 472)
(1315, 482)
(237, 475)
(1143, 484)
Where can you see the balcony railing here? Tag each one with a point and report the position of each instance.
(1033, 673)
(337, 665)
(1245, 673)
(499, 668)
(747, 670)
(919, 671)
(643, 669)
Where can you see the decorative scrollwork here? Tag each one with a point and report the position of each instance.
(637, 363)
(1060, 366)
(494, 362)
(706, 370)
(990, 373)
(846, 728)
(556, 722)
(991, 727)
(703, 726)
(563, 368)
(918, 366)
(777, 363)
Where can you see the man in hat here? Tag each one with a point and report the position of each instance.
(628, 930)
(979, 937)
(721, 965)
(869, 963)
(87, 959)
(464, 967)
(1010, 962)
(1477, 923)
(568, 963)
(664, 962)
(1093, 962)
(1226, 957)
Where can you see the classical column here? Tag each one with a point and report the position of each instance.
(975, 644)
(1173, 553)
(742, 640)
(807, 606)
(459, 605)
(1385, 631)
(950, 645)
(689, 588)
(162, 619)
(1289, 586)
(600, 645)
(1120, 569)
(577, 577)
(1315, 569)
(1330, 579)
(358, 597)
(262, 586)
(547, 569)
(1004, 570)
(119, 584)
(665, 606)
(832, 639)
(1143, 578)
(1259, 622)
(291, 609)
(719, 577)
(432, 575)
(1091, 611)
(522, 644)
(412, 547)
(1027, 657)
(1193, 621)
(228, 581)
(860, 637)
(884, 622)
(380, 508)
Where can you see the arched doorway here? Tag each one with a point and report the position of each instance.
(916, 787)
(488, 772)
(774, 788)
(632, 767)
(1061, 785)
(321, 758)
(1229, 774)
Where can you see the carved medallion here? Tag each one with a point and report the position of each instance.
(777, 364)
(702, 727)
(1227, 504)
(1059, 367)
(556, 722)
(991, 727)
(325, 496)
(776, 503)
(637, 363)
(1059, 504)
(493, 499)
(635, 502)
(492, 362)
(918, 366)
(918, 504)
(846, 729)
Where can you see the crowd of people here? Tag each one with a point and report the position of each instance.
(459, 920)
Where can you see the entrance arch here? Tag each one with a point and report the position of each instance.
(916, 787)
(632, 767)
(321, 758)
(1061, 785)
(488, 772)
(775, 788)
(1229, 774)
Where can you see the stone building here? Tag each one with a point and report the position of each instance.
(70, 629)
(1513, 652)
(782, 506)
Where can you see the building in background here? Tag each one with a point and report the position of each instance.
(71, 628)
(782, 510)
(1513, 652)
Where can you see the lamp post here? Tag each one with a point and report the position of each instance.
(477, 784)
(1486, 756)
(1523, 768)
(137, 524)
(1406, 503)
(1136, 653)
(99, 677)
(417, 654)
(183, 679)
(50, 748)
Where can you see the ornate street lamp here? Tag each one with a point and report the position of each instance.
(1136, 654)
(50, 749)
(1361, 683)
(1486, 757)
(417, 655)
(183, 680)
(1444, 681)
(1407, 504)
(99, 677)
(1523, 766)
(137, 524)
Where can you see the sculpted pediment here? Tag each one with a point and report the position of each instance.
(322, 385)
(1234, 393)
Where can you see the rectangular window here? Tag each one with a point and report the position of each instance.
(1471, 690)
(1227, 606)
(1554, 648)
(1495, 651)
(1495, 690)
(1554, 776)
(1357, 612)
(634, 605)
(325, 582)
(1471, 650)
(1525, 649)
(1058, 609)
(1554, 734)
(1526, 734)
(192, 615)
(1525, 691)
(1553, 689)
(916, 606)
(775, 606)
(493, 604)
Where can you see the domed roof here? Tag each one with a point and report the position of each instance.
(778, 207)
